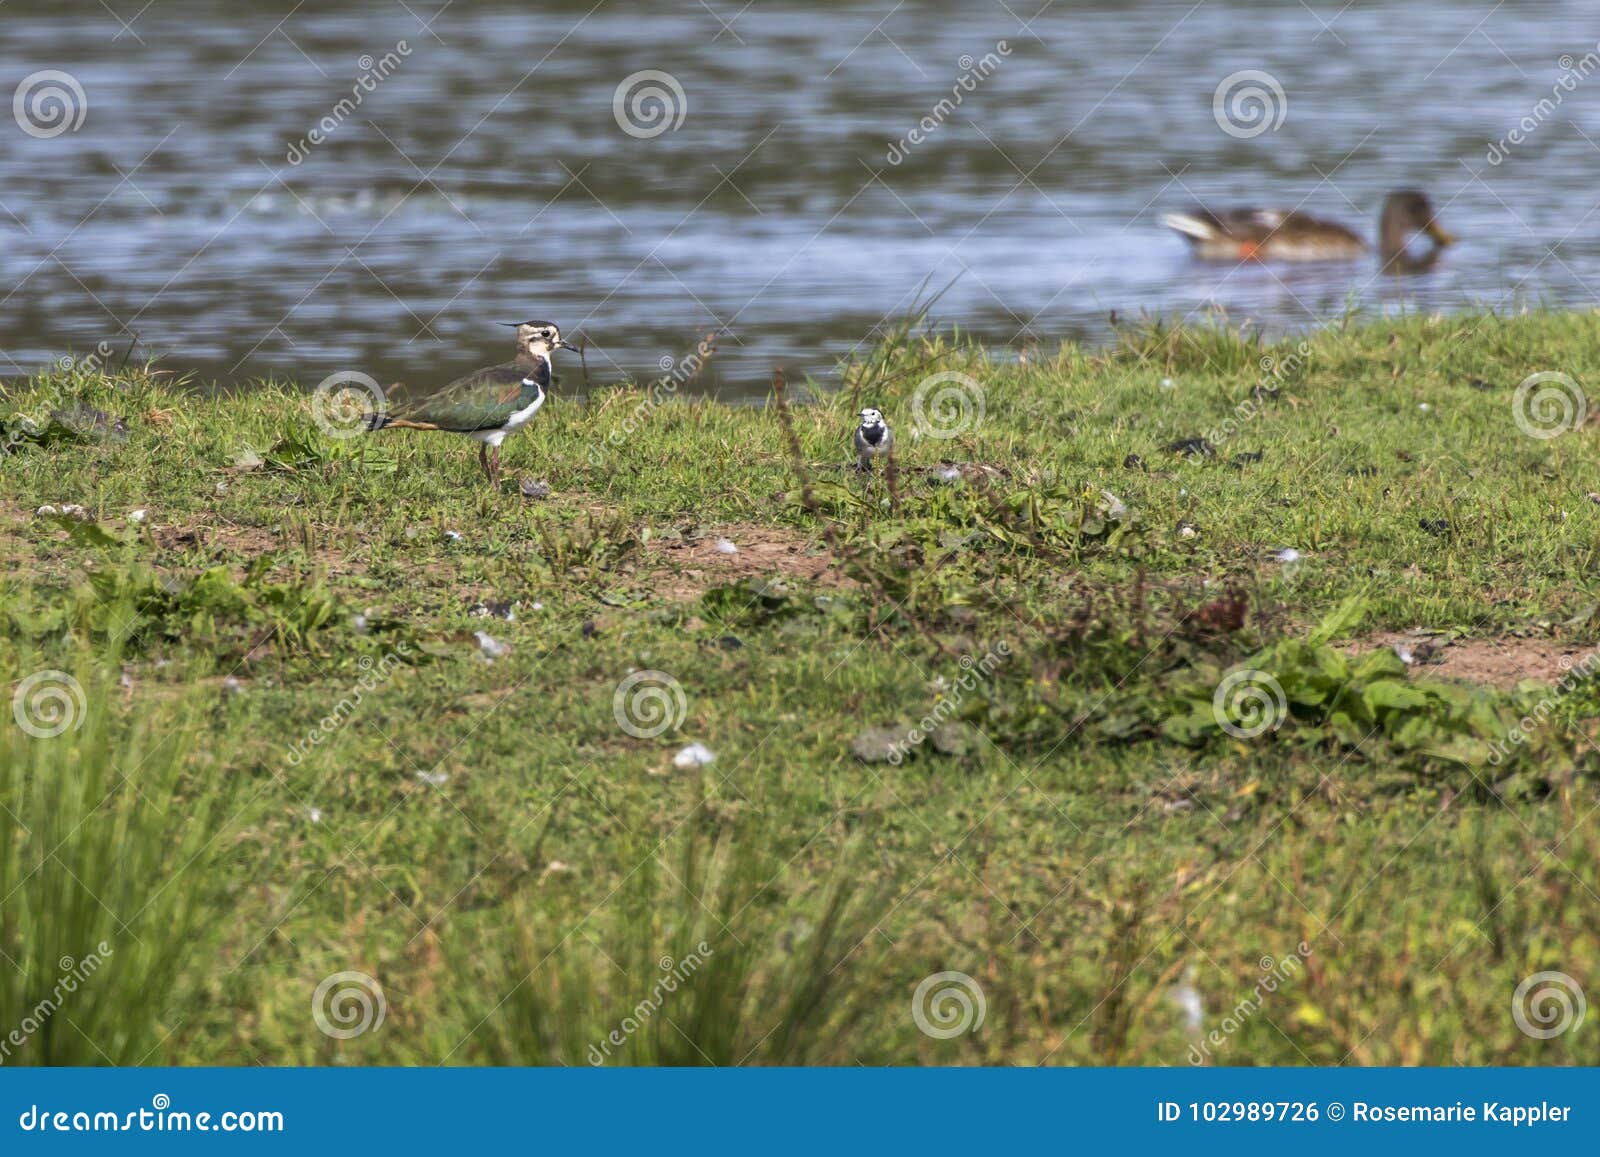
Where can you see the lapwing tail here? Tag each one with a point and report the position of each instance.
(378, 419)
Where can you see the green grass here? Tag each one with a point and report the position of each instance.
(290, 759)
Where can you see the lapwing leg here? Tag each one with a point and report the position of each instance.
(483, 458)
(494, 467)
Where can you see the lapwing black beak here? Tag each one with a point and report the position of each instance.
(567, 345)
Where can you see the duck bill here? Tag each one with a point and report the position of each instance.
(1439, 234)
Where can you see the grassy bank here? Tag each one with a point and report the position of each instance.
(1092, 701)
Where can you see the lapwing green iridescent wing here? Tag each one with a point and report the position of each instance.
(484, 400)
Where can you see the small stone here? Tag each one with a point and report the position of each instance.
(436, 778)
(1196, 447)
(491, 647)
(314, 814)
(724, 546)
(69, 510)
(882, 744)
(694, 756)
(955, 738)
(534, 489)
(453, 535)
(1288, 554)
(232, 686)
(137, 515)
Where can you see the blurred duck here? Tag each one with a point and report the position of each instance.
(1284, 235)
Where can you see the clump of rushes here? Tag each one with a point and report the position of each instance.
(111, 869)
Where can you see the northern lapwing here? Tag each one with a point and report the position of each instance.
(1287, 235)
(491, 403)
(874, 439)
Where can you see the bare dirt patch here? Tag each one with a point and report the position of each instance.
(1502, 662)
(698, 564)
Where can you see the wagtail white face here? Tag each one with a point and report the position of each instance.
(873, 438)
(491, 403)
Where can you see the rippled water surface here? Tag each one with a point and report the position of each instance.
(488, 174)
